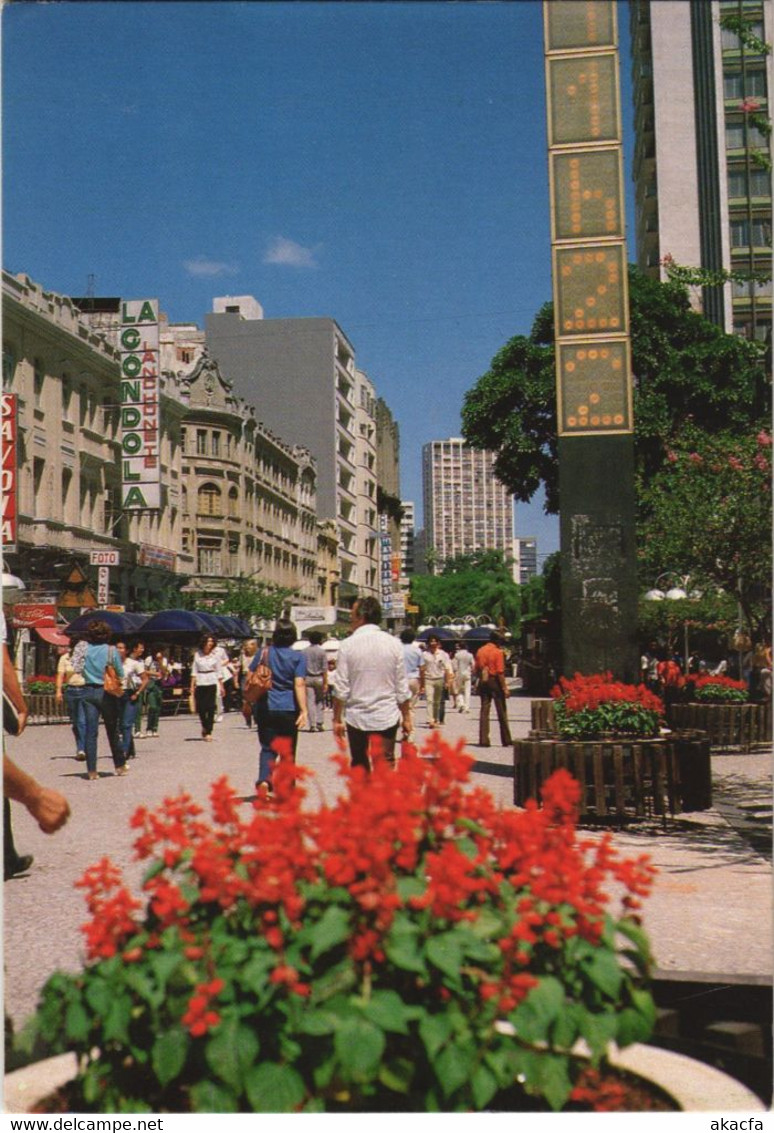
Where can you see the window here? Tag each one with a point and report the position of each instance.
(201, 442)
(38, 470)
(67, 396)
(759, 183)
(216, 443)
(209, 556)
(743, 289)
(744, 234)
(9, 364)
(751, 85)
(735, 136)
(38, 378)
(182, 439)
(233, 502)
(209, 500)
(730, 41)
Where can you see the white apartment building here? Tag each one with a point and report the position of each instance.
(702, 159)
(466, 508)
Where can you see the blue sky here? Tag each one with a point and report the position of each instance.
(381, 163)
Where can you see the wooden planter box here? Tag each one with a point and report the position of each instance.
(728, 725)
(43, 709)
(620, 779)
(543, 718)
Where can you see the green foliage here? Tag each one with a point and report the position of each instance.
(708, 511)
(247, 598)
(685, 367)
(618, 718)
(412, 948)
(733, 21)
(475, 584)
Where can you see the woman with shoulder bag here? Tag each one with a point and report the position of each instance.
(281, 711)
(69, 688)
(102, 671)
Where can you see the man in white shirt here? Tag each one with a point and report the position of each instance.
(462, 663)
(370, 689)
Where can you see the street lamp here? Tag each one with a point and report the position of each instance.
(675, 593)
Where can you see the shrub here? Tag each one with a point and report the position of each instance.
(586, 707)
(410, 947)
(41, 684)
(717, 690)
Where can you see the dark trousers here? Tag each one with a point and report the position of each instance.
(10, 856)
(365, 744)
(205, 698)
(489, 692)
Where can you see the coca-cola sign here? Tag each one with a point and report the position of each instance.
(29, 614)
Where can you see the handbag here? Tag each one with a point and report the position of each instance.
(111, 681)
(258, 680)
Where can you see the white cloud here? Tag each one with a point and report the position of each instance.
(289, 253)
(201, 266)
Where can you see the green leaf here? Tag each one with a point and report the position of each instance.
(632, 1027)
(163, 964)
(553, 1079)
(453, 1065)
(397, 1075)
(387, 1010)
(402, 949)
(98, 996)
(212, 1097)
(598, 1029)
(274, 1088)
(503, 1061)
(76, 1022)
(332, 928)
(153, 870)
(410, 887)
(143, 986)
(484, 1086)
(435, 1030)
(232, 1051)
(313, 1022)
(116, 1024)
(445, 952)
(636, 934)
(534, 1017)
(604, 972)
(487, 924)
(255, 974)
(169, 1054)
(359, 1046)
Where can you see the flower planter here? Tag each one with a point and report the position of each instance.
(621, 779)
(44, 709)
(727, 725)
(694, 1086)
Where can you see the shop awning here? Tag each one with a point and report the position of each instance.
(52, 635)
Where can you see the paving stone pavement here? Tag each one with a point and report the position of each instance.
(710, 911)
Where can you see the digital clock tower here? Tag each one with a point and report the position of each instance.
(591, 324)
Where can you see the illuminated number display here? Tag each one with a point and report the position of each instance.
(573, 24)
(594, 387)
(583, 99)
(587, 194)
(590, 290)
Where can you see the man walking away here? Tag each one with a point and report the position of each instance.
(370, 688)
(490, 667)
(412, 656)
(316, 681)
(462, 663)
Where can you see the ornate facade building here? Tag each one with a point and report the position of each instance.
(249, 499)
(65, 378)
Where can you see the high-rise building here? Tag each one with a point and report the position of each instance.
(702, 76)
(300, 373)
(466, 508)
(525, 559)
(407, 541)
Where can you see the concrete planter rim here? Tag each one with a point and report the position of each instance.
(694, 1086)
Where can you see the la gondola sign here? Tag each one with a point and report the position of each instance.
(140, 426)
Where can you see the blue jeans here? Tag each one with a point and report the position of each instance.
(97, 703)
(129, 710)
(272, 725)
(74, 700)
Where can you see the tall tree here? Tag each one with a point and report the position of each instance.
(686, 369)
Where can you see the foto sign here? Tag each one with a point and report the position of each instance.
(104, 558)
(9, 480)
(140, 432)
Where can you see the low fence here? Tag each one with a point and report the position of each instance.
(620, 779)
(44, 708)
(742, 726)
